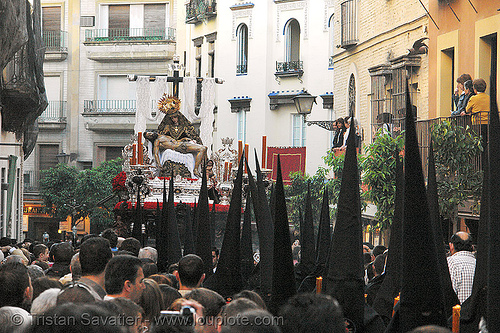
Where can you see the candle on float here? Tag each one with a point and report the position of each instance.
(319, 284)
(240, 149)
(139, 148)
(455, 327)
(264, 151)
(246, 157)
(230, 168)
(226, 169)
(134, 154)
(396, 300)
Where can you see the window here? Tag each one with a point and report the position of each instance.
(352, 96)
(242, 62)
(242, 125)
(298, 131)
(47, 156)
(211, 59)
(116, 87)
(331, 43)
(198, 60)
(292, 41)
(119, 20)
(112, 153)
(348, 23)
(51, 28)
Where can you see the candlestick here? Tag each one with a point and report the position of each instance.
(396, 300)
(319, 284)
(134, 154)
(139, 148)
(264, 151)
(455, 327)
(226, 165)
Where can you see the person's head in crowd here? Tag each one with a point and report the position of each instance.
(14, 258)
(469, 87)
(131, 312)
(95, 254)
(132, 245)
(20, 325)
(124, 277)
(76, 293)
(177, 304)
(151, 301)
(211, 300)
(159, 278)
(123, 252)
(215, 257)
(460, 241)
(76, 318)
(190, 272)
(45, 301)
(340, 123)
(120, 241)
(305, 313)
(76, 267)
(169, 295)
(27, 254)
(35, 272)
(430, 329)
(253, 321)
(15, 285)
(62, 253)
(367, 247)
(149, 252)
(149, 267)
(377, 250)
(87, 237)
(42, 264)
(43, 283)
(379, 264)
(112, 237)
(479, 85)
(18, 252)
(462, 79)
(253, 296)
(238, 306)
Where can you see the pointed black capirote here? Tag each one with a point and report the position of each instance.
(493, 298)
(265, 232)
(474, 307)
(162, 234)
(246, 241)
(137, 228)
(421, 302)
(227, 279)
(203, 246)
(188, 233)
(173, 239)
(283, 286)
(384, 301)
(324, 236)
(450, 298)
(307, 247)
(345, 270)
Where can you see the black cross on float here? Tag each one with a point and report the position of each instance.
(175, 79)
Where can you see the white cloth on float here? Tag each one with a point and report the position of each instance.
(174, 156)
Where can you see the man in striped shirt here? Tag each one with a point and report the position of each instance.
(462, 264)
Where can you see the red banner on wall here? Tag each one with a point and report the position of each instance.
(293, 159)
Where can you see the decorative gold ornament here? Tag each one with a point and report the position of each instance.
(169, 104)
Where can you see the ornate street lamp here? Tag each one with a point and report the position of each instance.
(304, 102)
(62, 157)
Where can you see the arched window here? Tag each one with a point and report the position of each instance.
(331, 40)
(242, 63)
(352, 96)
(292, 41)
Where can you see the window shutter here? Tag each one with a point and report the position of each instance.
(48, 157)
(119, 17)
(51, 18)
(154, 16)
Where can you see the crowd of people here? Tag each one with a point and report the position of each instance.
(470, 97)
(111, 284)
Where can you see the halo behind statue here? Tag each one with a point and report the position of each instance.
(169, 104)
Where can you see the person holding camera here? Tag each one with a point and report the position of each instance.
(462, 264)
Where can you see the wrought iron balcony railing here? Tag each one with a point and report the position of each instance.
(200, 10)
(109, 106)
(30, 181)
(348, 10)
(55, 41)
(130, 35)
(241, 69)
(55, 112)
(289, 66)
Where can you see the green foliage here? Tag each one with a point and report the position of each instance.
(66, 191)
(455, 150)
(379, 175)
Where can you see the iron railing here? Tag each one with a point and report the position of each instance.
(55, 41)
(289, 66)
(55, 112)
(131, 34)
(330, 62)
(348, 10)
(109, 106)
(241, 69)
(200, 10)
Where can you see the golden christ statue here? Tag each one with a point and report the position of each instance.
(175, 132)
